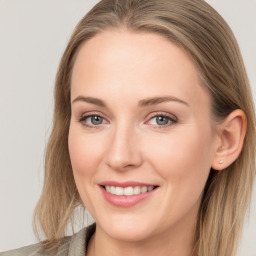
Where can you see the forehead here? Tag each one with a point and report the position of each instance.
(143, 62)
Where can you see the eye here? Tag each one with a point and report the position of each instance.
(92, 120)
(162, 120)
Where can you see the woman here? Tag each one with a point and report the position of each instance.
(154, 134)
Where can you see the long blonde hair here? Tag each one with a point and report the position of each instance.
(206, 37)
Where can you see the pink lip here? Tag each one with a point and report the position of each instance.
(125, 201)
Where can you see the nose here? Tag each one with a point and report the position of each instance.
(123, 152)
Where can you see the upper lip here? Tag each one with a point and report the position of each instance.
(125, 184)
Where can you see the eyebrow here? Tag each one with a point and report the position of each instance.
(141, 103)
(157, 100)
(91, 100)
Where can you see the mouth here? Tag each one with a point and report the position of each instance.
(128, 190)
(127, 194)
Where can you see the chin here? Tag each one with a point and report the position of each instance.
(128, 235)
(128, 229)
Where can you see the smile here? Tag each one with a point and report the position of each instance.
(126, 194)
(128, 191)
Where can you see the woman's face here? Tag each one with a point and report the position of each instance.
(140, 120)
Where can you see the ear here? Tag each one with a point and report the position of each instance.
(231, 133)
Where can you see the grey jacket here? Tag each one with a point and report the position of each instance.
(72, 246)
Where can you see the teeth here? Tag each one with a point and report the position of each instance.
(136, 190)
(119, 191)
(144, 189)
(150, 188)
(112, 190)
(128, 191)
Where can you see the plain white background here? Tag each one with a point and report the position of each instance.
(33, 36)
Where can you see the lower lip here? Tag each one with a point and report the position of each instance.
(125, 201)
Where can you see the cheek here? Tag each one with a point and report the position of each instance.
(183, 159)
(85, 154)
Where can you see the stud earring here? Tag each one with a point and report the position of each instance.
(221, 162)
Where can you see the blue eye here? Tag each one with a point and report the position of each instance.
(162, 120)
(92, 120)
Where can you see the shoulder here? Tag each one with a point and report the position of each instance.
(74, 245)
(37, 250)
(30, 250)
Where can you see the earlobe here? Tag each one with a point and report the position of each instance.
(231, 133)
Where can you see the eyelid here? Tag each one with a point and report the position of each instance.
(161, 113)
(172, 117)
(88, 114)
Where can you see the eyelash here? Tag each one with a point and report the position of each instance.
(171, 118)
(84, 117)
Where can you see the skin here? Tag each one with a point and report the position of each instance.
(122, 68)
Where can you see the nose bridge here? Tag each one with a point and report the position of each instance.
(123, 150)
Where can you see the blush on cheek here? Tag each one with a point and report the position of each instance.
(81, 162)
(84, 153)
(168, 156)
